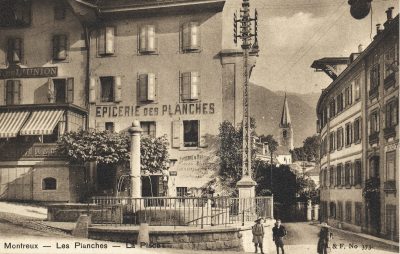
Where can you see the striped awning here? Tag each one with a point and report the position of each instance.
(11, 122)
(42, 122)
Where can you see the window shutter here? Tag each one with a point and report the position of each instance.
(151, 86)
(194, 85)
(62, 47)
(50, 90)
(194, 35)
(185, 36)
(117, 89)
(70, 90)
(101, 40)
(9, 92)
(351, 95)
(100, 126)
(142, 87)
(185, 90)
(202, 134)
(151, 38)
(142, 39)
(19, 50)
(109, 40)
(92, 90)
(17, 92)
(10, 50)
(176, 134)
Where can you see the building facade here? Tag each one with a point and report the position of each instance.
(108, 63)
(358, 126)
(42, 95)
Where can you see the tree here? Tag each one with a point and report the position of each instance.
(271, 143)
(309, 151)
(230, 152)
(104, 147)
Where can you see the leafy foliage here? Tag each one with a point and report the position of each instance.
(230, 152)
(309, 151)
(104, 147)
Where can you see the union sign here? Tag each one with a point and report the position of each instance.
(36, 72)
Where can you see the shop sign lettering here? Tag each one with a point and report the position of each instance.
(37, 72)
(161, 110)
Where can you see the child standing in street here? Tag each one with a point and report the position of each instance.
(258, 234)
(278, 232)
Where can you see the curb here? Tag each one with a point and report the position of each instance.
(393, 244)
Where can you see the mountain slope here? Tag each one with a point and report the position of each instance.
(266, 108)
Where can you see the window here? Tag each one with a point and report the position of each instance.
(191, 40)
(357, 130)
(374, 122)
(190, 86)
(332, 210)
(348, 211)
(357, 209)
(347, 174)
(391, 222)
(348, 96)
(339, 175)
(391, 114)
(332, 108)
(357, 172)
(191, 133)
(374, 166)
(147, 87)
(374, 76)
(13, 92)
(332, 177)
(339, 138)
(331, 141)
(107, 89)
(181, 191)
(340, 211)
(389, 60)
(60, 47)
(15, 13)
(105, 41)
(109, 126)
(349, 139)
(14, 50)
(59, 11)
(149, 128)
(339, 101)
(61, 90)
(391, 166)
(147, 39)
(49, 183)
(357, 87)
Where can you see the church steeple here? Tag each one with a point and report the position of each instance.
(285, 118)
(286, 130)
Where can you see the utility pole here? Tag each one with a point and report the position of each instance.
(246, 184)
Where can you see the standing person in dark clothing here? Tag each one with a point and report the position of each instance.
(278, 232)
(324, 237)
(258, 234)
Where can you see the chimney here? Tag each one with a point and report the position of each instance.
(360, 48)
(389, 13)
(378, 28)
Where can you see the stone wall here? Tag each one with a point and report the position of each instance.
(191, 238)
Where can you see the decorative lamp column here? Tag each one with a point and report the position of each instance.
(136, 186)
(246, 185)
(309, 210)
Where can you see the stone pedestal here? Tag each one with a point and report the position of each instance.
(246, 187)
(316, 209)
(81, 229)
(309, 210)
(136, 187)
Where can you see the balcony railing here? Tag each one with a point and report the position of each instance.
(389, 186)
(390, 80)
(373, 138)
(374, 92)
(18, 150)
(389, 132)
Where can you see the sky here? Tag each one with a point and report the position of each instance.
(294, 33)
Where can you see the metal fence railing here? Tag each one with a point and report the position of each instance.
(180, 211)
